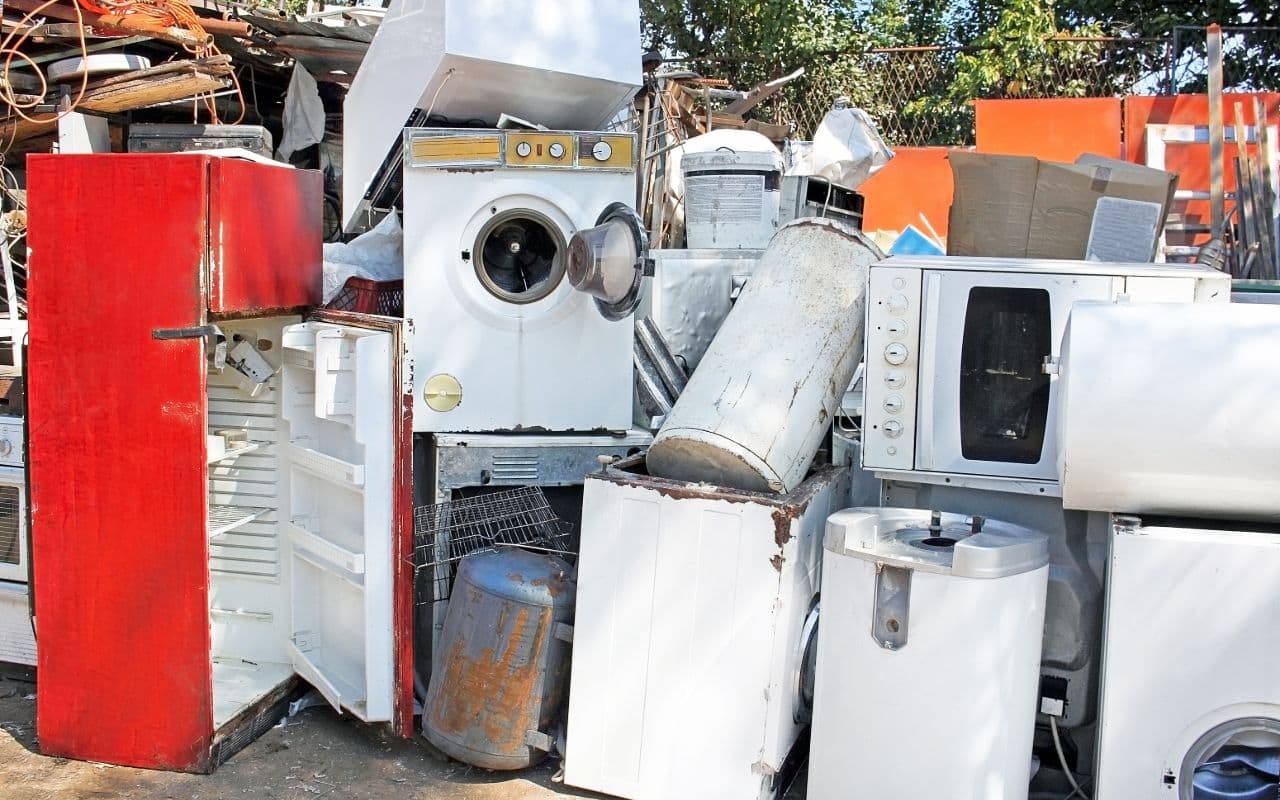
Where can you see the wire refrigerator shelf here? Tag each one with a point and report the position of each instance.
(446, 532)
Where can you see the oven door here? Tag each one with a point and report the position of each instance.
(987, 406)
(13, 525)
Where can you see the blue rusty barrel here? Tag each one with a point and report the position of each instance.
(502, 675)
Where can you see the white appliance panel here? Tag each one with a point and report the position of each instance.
(1186, 423)
(13, 525)
(891, 385)
(553, 364)
(337, 393)
(1191, 645)
(687, 640)
(17, 638)
(923, 405)
(564, 64)
(928, 661)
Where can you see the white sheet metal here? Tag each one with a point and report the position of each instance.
(949, 710)
(687, 641)
(566, 64)
(1191, 654)
(1172, 409)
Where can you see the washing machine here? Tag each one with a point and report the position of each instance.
(1190, 706)
(504, 341)
(695, 622)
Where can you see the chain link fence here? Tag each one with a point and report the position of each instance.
(919, 96)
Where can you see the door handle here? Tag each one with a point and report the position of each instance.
(217, 341)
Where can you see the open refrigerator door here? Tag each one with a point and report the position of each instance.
(342, 388)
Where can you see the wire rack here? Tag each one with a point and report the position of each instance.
(446, 532)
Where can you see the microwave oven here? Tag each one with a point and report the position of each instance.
(959, 382)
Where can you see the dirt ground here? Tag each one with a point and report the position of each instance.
(316, 754)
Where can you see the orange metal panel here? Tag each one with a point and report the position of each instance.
(916, 181)
(1190, 161)
(1053, 130)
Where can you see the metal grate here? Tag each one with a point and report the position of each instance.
(10, 524)
(446, 532)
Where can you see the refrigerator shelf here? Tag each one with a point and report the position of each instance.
(227, 518)
(233, 453)
(325, 466)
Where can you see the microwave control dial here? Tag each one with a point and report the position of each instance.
(893, 429)
(896, 353)
(895, 379)
(897, 328)
(894, 404)
(898, 303)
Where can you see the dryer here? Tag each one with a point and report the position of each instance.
(1190, 705)
(504, 342)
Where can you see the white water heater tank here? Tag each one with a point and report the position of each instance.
(762, 399)
(732, 196)
(928, 644)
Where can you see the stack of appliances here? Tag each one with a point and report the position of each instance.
(220, 500)
(498, 144)
(699, 568)
(1189, 465)
(962, 410)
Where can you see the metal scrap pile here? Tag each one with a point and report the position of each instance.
(163, 61)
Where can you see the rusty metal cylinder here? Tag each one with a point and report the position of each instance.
(502, 675)
(756, 409)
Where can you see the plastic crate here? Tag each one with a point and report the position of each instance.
(385, 298)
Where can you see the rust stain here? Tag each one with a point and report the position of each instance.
(630, 472)
(493, 698)
(782, 519)
(554, 586)
(777, 562)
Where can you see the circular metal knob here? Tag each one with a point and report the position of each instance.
(442, 392)
(556, 150)
(524, 149)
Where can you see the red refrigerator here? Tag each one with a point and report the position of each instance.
(220, 482)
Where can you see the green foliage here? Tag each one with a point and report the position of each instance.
(1025, 54)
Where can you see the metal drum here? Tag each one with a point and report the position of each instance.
(756, 409)
(502, 674)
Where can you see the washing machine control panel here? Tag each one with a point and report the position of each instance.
(606, 151)
(444, 148)
(537, 149)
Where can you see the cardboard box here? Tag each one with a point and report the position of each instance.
(1021, 207)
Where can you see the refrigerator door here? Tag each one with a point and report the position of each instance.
(349, 523)
(117, 468)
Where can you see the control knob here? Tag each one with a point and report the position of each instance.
(893, 429)
(896, 353)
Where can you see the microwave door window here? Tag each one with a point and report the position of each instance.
(1004, 392)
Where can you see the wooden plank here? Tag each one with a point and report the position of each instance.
(1216, 186)
(166, 83)
(127, 97)
(1267, 166)
(215, 65)
(1246, 216)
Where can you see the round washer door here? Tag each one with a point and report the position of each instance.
(1236, 760)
